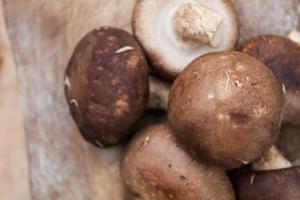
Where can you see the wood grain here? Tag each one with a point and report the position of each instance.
(43, 34)
(14, 182)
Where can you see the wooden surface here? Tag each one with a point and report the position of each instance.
(61, 165)
(43, 35)
(14, 182)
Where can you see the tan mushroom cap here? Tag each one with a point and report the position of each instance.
(155, 167)
(173, 33)
(226, 108)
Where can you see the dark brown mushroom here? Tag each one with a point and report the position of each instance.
(106, 85)
(274, 178)
(281, 55)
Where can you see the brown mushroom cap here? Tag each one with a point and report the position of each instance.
(173, 33)
(106, 85)
(154, 167)
(272, 177)
(282, 56)
(226, 108)
(282, 184)
(257, 17)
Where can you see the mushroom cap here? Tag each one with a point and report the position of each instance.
(281, 55)
(152, 26)
(106, 85)
(282, 184)
(268, 17)
(156, 167)
(226, 108)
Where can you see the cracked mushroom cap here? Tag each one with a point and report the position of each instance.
(226, 108)
(106, 85)
(154, 167)
(272, 178)
(173, 33)
(281, 55)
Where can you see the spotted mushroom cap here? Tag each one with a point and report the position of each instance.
(106, 85)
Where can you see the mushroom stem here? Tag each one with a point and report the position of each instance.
(294, 35)
(272, 160)
(196, 24)
(159, 94)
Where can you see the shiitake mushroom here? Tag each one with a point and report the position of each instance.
(272, 177)
(185, 30)
(155, 167)
(106, 85)
(281, 55)
(226, 108)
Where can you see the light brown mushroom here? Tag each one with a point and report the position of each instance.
(155, 167)
(173, 33)
(226, 108)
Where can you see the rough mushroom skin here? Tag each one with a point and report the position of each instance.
(282, 56)
(154, 167)
(258, 17)
(185, 30)
(281, 184)
(106, 85)
(226, 108)
(272, 177)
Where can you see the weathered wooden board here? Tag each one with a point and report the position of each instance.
(14, 182)
(43, 35)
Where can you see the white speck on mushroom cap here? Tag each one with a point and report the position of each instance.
(67, 82)
(283, 89)
(99, 144)
(160, 40)
(252, 178)
(124, 49)
(238, 83)
(74, 101)
(294, 35)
